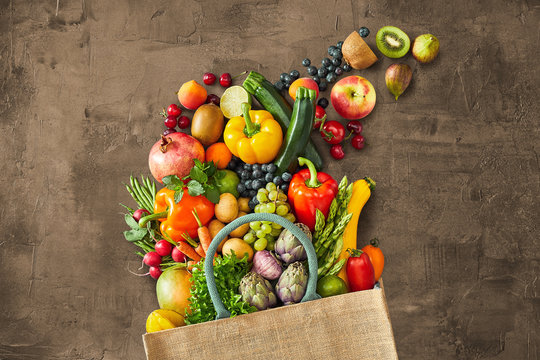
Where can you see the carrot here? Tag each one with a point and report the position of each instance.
(199, 250)
(187, 250)
(204, 234)
(191, 264)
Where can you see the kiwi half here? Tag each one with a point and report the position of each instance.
(392, 42)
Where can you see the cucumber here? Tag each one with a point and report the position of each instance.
(273, 102)
(298, 131)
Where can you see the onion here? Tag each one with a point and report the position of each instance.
(266, 265)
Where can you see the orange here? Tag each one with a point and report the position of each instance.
(220, 154)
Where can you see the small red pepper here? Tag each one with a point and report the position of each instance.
(360, 271)
(309, 190)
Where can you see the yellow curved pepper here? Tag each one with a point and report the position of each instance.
(163, 319)
(255, 137)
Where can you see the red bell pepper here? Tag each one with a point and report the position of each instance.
(360, 271)
(309, 190)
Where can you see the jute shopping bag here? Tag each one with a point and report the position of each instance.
(350, 326)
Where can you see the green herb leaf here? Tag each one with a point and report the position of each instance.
(195, 188)
(178, 195)
(211, 169)
(131, 222)
(198, 164)
(197, 174)
(172, 182)
(211, 193)
(134, 235)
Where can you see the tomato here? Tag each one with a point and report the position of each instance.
(331, 285)
(376, 257)
(320, 117)
(333, 132)
(360, 272)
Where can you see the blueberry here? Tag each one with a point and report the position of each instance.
(326, 61)
(323, 102)
(251, 204)
(263, 167)
(331, 69)
(277, 180)
(295, 74)
(338, 71)
(287, 85)
(271, 168)
(256, 184)
(244, 174)
(336, 62)
(256, 174)
(245, 194)
(364, 31)
(337, 54)
(311, 70)
(339, 45)
(286, 176)
(284, 187)
(331, 50)
(288, 79)
(323, 85)
(252, 193)
(247, 184)
(322, 72)
(241, 188)
(316, 79)
(268, 178)
(279, 85)
(347, 67)
(282, 76)
(247, 167)
(331, 77)
(306, 62)
(231, 165)
(254, 199)
(255, 167)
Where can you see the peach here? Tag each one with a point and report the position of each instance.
(305, 82)
(192, 95)
(353, 97)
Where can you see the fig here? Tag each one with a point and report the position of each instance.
(398, 77)
(425, 48)
(357, 53)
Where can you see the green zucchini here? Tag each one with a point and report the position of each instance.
(298, 132)
(273, 102)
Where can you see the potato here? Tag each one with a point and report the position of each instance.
(240, 248)
(241, 230)
(243, 205)
(226, 209)
(214, 227)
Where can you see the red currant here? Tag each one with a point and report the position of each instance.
(358, 142)
(337, 152)
(174, 110)
(355, 126)
(225, 80)
(170, 122)
(209, 78)
(212, 99)
(183, 122)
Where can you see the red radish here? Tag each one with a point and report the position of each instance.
(139, 213)
(174, 110)
(183, 122)
(155, 272)
(170, 122)
(337, 152)
(163, 248)
(177, 255)
(152, 258)
(174, 154)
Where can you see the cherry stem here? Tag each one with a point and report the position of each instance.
(242, 73)
(349, 136)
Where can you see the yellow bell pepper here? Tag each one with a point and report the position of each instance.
(163, 319)
(255, 137)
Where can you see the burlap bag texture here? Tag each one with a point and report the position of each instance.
(350, 326)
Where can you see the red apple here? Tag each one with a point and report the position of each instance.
(353, 97)
(173, 155)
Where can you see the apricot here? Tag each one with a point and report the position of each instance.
(192, 95)
(305, 82)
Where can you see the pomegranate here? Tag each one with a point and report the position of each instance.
(173, 155)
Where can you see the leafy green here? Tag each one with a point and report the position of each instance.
(202, 182)
(228, 271)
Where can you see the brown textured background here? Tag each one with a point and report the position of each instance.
(455, 159)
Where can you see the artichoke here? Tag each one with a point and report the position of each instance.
(291, 285)
(257, 291)
(288, 248)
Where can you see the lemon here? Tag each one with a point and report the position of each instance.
(232, 99)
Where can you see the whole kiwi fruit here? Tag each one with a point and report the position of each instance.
(392, 42)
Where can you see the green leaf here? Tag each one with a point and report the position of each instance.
(131, 222)
(134, 235)
(211, 169)
(178, 195)
(195, 188)
(220, 175)
(212, 194)
(172, 182)
(198, 164)
(197, 174)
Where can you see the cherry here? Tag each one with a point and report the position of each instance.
(169, 131)
(170, 122)
(212, 99)
(355, 126)
(337, 152)
(358, 142)
(183, 122)
(209, 78)
(139, 213)
(174, 110)
(225, 80)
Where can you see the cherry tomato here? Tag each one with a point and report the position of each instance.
(333, 132)
(337, 152)
(320, 116)
(355, 126)
(209, 78)
(358, 142)
(174, 110)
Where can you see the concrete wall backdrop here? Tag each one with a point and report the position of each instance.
(455, 159)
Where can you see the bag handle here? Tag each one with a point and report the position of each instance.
(311, 288)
